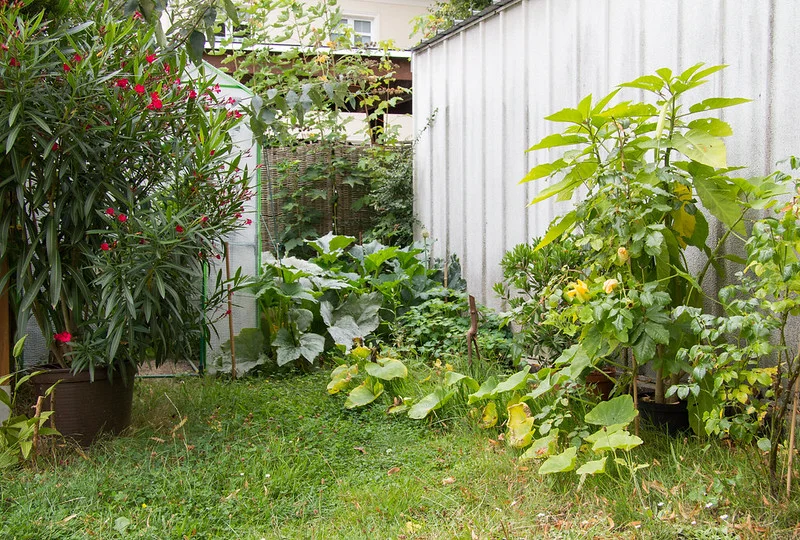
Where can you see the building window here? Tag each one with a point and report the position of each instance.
(230, 33)
(362, 30)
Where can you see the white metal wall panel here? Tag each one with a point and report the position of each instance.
(492, 82)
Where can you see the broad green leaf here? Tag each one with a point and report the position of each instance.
(452, 378)
(356, 317)
(331, 243)
(429, 403)
(576, 359)
(389, 369)
(563, 462)
(716, 103)
(363, 394)
(556, 229)
(764, 444)
(619, 440)
(520, 425)
(701, 147)
(341, 377)
(605, 431)
(721, 199)
(488, 416)
(712, 126)
(517, 381)
(593, 467)
(121, 523)
(485, 391)
(619, 410)
(566, 115)
(309, 346)
(542, 447)
(557, 139)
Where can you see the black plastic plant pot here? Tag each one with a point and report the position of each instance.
(674, 417)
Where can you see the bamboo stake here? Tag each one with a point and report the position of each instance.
(230, 308)
(635, 386)
(791, 440)
(37, 416)
(5, 328)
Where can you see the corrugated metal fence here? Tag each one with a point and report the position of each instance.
(490, 82)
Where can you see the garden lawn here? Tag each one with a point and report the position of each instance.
(281, 459)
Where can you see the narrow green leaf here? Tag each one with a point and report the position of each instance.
(716, 103)
(566, 115)
(543, 170)
(557, 139)
(557, 229)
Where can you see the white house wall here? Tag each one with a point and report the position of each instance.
(490, 84)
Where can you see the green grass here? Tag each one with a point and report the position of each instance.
(281, 459)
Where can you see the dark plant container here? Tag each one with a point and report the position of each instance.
(600, 382)
(85, 409)
(674, 417)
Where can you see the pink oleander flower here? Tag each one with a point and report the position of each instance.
(62, 337)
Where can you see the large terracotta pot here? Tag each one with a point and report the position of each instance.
(84, 409)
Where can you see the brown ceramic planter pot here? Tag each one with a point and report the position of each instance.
(84, 409)
(599, 384)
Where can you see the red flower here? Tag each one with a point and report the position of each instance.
(109, 211)
(67, 68)
(122, 218)
(192, 94)
(211, 153)
(166, 66)
(155, 102)
(55, 147)
(217, 89)
(218, 256)
(139, 89)
(77, 58)
(3, 46)
(150, 58)
(13, 62)
(238, 215)
(63, 337)
(178, 229)
(204, 219)
(137, 16)
(104, 246)
(123, 83)
(248, 221)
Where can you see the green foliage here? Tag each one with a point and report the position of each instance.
(390, 170)
(731, 390)
(337, 299)
(18, 433)
(436, 328)
(109, 212)
(640, 213)
(531, 279)
(445, 13)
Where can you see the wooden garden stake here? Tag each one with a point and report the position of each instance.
(230, 308)
(472, 333)
(791, 440)
(635, 389)
(5, 328)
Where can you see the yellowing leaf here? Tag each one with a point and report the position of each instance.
(520, 425)
(489, 416)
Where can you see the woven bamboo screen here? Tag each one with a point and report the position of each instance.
(280, 180)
